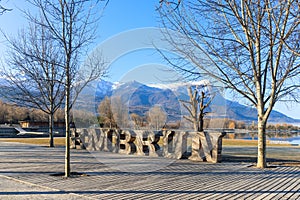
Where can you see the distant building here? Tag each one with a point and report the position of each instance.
(37, 124)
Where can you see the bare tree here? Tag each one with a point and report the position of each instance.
(73, 25)
(157, 117)
(13, 113)
(139, 121)
(198, 102)
(82, 118)
(120, 111)
(33, 73)
(242, 44)
(106, 116)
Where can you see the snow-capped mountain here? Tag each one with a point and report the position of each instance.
(139, 98)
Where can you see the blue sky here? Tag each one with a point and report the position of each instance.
(119, 16)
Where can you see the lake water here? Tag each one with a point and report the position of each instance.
(291, 140)
(274, 138)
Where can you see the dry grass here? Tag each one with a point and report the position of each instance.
(37, 141)
(61, 142)
(240, 142)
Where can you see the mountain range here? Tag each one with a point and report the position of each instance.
(139, 98)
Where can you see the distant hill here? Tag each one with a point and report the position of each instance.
(140, 98)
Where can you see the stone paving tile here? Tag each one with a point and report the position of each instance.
(180, 179)
(14, 189)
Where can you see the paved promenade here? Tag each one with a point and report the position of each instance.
(32, 172)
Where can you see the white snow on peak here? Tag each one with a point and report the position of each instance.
(176, 85)
(171, 86)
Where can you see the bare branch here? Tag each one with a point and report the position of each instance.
(252, 47)
(4, 9)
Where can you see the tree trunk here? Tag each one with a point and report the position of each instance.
(67, 123)
(261, 143)
(51, 128)
(196, 126)
(201, 121)
(51, 115)
(67, 153)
